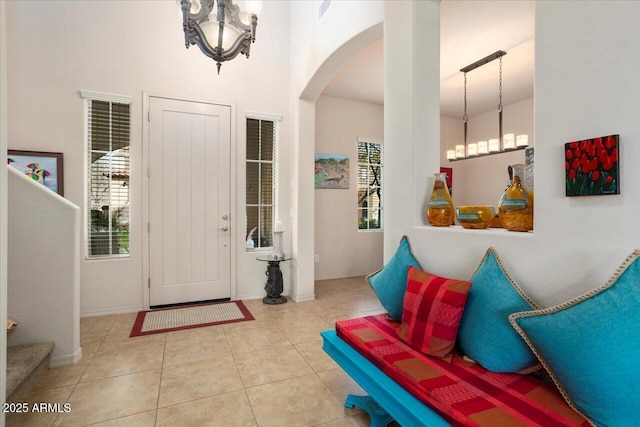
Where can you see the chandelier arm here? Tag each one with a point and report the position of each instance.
(221, 15)
(185, 21)
(254, 24)
(233, 14)
(206, 6)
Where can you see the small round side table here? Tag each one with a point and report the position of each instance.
(274, 285)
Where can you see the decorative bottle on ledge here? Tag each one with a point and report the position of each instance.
(440, 211)
(516, 204)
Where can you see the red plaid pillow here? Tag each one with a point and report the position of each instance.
(431, 313)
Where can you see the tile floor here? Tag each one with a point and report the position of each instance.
(267, 372)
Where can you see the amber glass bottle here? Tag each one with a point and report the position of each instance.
(516, 204)
(440, 211)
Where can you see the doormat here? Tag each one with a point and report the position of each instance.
(195, 316)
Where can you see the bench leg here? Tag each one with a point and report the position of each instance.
(378, 417)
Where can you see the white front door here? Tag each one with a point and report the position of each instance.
(189, 201)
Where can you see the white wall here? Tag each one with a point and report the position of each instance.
(3, 204)
(585, 86)
(482, 180)
(319, 43)
(56, 48)
(344, 251)
(43, 271)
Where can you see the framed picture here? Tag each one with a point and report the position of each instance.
(41, 166)
(592, 166)
(331, 171)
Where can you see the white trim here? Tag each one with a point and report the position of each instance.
(66, 359)
(101, 96)
(303, 298)
(263, 116)
(374, 140)
(115, 310)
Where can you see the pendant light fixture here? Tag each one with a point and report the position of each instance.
(504, 142)
(219, 28)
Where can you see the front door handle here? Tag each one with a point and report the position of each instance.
(225, 228)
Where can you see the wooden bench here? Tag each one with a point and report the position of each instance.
(417, 390)
(395, 402)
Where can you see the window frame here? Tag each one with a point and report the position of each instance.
(275, 119)
(361, 140)
(89, 97)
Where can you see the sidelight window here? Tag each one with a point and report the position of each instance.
(108, 139)
(261, 180)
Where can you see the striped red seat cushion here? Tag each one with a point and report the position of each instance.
(464, 393)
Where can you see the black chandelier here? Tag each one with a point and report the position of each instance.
(219, 28)
(504, 142)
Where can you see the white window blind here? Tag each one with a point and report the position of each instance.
(108, 154)
(370, 176)
(260, 182)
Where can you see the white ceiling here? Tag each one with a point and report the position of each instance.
(469, 31)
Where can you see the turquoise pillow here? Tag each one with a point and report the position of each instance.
(390, 282)
(485, 334)
(591, 347)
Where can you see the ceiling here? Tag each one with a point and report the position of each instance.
(469, 31)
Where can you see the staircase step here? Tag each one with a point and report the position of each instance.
(26, 363)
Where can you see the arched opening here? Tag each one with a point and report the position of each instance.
(303, 236)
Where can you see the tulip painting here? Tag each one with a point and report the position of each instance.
(592, 166)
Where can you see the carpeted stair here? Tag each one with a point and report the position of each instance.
(26, 363)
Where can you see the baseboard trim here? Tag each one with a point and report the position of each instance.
(258, 295)
(108, 311)
(303, 298)
(344, 276)
(66, 359)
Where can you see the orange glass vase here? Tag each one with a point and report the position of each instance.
(516, 205)
(440, 211)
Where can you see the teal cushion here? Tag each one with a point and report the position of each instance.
(390, 282)
(591, 347)
(485, 334)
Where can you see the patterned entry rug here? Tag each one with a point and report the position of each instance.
(195, 316)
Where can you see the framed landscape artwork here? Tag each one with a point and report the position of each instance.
(592, 166)
(331, 171)
(41, 166)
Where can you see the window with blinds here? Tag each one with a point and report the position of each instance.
(261, 182)
(370, 171)
(108, 140)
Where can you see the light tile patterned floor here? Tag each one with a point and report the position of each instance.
(267, 372)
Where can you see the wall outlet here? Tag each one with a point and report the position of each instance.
(316, 258)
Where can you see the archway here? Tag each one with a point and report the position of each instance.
(303, 159)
